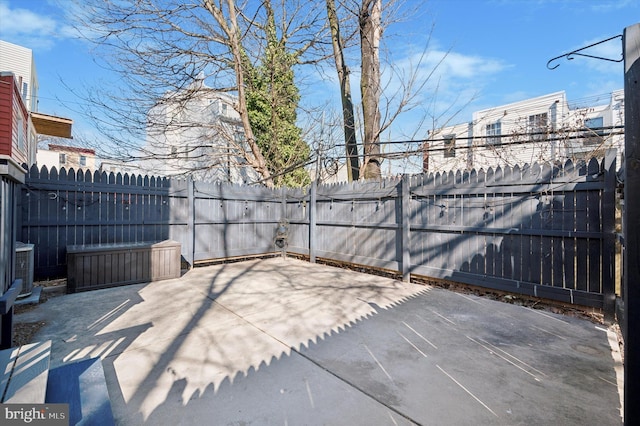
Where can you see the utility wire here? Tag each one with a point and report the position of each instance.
(422, 149)
(592, 130)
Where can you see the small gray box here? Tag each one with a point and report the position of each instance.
(24, 267)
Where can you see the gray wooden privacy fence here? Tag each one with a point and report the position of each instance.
(211, 221)
(536, 230)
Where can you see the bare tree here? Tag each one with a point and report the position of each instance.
(387, 89)
(169, 55)
(370, 25)
(351, 144)
(229, 26)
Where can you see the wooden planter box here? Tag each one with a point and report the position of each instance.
(91, 267)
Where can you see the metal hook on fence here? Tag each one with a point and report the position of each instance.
(576, 52)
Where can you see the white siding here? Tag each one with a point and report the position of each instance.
(19, 61)
(454, 156)
(48, 158)
(516, 146)
(197, 137)
(542, 129)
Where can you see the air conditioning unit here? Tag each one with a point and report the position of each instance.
(24, 267)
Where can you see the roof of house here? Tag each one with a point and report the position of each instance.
(53, 147)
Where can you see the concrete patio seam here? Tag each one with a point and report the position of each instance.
(317, 364)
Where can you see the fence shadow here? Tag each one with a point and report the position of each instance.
(213, 326)
(374, 360)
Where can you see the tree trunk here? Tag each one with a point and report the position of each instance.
(351, 145)
(233, 32)
(370, 35)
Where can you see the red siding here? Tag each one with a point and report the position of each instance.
(12, 108)
(6, 114)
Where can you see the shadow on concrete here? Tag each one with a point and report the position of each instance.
(284, 341)
(433, 358)
(147, 335)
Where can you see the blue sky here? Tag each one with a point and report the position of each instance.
(498, 50)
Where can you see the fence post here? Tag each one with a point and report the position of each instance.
(313, 196)
(283, 216)
(631, 49)
(191, 200)
(609, 236)
(406, 231)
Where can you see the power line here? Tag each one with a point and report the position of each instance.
(595, 131)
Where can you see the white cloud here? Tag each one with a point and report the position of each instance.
(450, 70)
(610, 50)
(469, 66)
(452, 82)
(606, 6)
(26, 27)
(23, 21)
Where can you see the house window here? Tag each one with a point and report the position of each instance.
(537, 127)
(21, 142)
(83, 161)
(25, 91)
(594, 135)
(224, 109)
(595, 123)
(449, 146)
(174, 151)
(494, 130)
(62, 158)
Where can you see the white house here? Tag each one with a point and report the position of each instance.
(19, 60)
(544, 129)
(197, 132)
(69, 157)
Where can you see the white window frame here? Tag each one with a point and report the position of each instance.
(593, 135)
(538, 126)
(494, 133)
(449, 142)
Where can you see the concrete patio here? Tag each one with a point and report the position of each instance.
(286, 342)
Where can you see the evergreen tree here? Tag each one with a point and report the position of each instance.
(272, 100)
